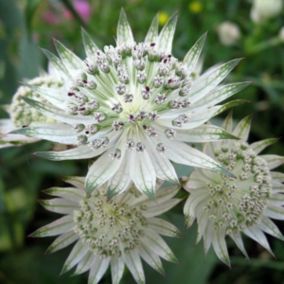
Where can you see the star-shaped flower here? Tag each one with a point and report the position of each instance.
(134, 106)
(115, 233)
(228, 206)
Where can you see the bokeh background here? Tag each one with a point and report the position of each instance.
(28, 25)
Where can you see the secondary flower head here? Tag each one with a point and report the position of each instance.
(229, 33)
(263, 10)
(113, 233)
(135, 105)
(21, 114)
(228, 206)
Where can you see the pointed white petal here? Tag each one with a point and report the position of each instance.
(257, 235)
(134, 264)
(99, 267)
(237, 238)
(152, 34)
(163, 227)
(273, 161)
(162, 195)
(55, 96)
(56, 65)
(270, 228)
(184, 154)
(117, 269)
(142, 172)
(60, 226)
(197, 117)
(124, 32)
(196, 201)
(204, 133)
(157, 245)
(220, 94)
(261, 145)
(151, 258)
(156, 208)
(192, 57)
(85, 263)
(78, 153)
(228, 122)
(89, 45)
(71, 61)
(77, 253)
(59, 205)
(62, 242)
(166, 35)
(69, 193)
(209, 80)
(102, 170)
(220, 247)
(58, 114)
(277, 177)
(163, 167)
(121, 180)
(243, 128)
(274, 212)
(207, 237)
(75, 181)
(60, 133)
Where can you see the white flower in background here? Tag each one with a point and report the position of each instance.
(229, 33)
(263, 10)
(281, 34)
(228, 206)
(113, 233)
(135, 105)
(22, 114)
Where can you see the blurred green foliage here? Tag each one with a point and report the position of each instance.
(24, 29)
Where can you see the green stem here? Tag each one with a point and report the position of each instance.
(265, 45)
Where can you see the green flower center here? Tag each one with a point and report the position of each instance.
(23, 114)
(237, 202)
(108, 227)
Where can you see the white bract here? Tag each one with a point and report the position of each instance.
(229, 33)
(136, 106)
(228, 206)
(113, 233)
(263, 10)
(22, 114)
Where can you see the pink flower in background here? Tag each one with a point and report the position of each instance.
(51, 17)
(83, 9)
(54, 14)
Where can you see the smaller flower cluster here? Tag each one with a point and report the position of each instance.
(113, 233)
(20, 112)
(245, 202)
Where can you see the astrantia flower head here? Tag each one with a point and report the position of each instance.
(115, 232)
(135, 105)
(228, 206)
(22, 114)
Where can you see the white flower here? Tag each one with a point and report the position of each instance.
(21, 114)
(281, 34)
(228, 206)
(136, 106)
(263, 10)
(113, 233)
(229, 33)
